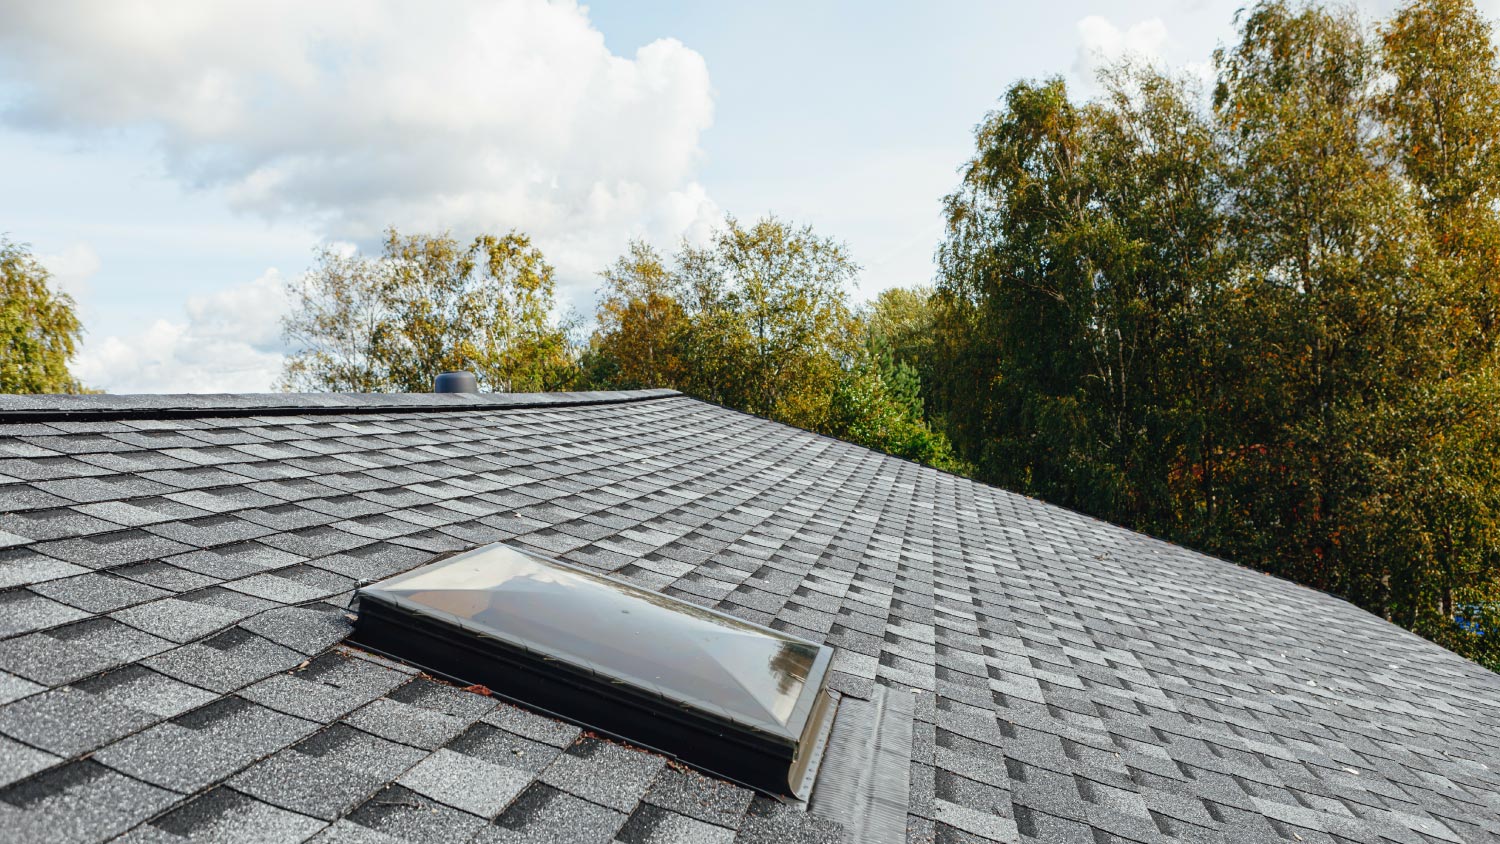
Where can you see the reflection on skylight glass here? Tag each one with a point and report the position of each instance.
(632, 634)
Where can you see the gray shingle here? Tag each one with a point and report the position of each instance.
(144, 690)
(225, 662)
(441, 697)
(348, 832)
(22, 611)
(650, 824)
(15, 688)
(177, 620)
(232, 561)
(768, 820)
(17, 761)
(204, 746)
(47, 468)
(407, 724)
(328, 688)
(123, 512)
(57, 523)
(329, 773)
(67, 721)
(536, 727)
(102, 488)
(466, 782)
(604, 772)
(294, 585)
(307, 630)
(111, 549)
(25, 567)
(690, 793)
(224, 816)
(404, 814)
(65, 654)
(209, 531)
(96, 592)
(545, 815)
(493, 744)
(165, 577)
(27, 497)
(80, 801)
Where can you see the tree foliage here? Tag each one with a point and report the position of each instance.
(759, 319)
(428, 304)
(39, 327)
(1265, 328)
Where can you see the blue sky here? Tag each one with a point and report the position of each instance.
(175, 168)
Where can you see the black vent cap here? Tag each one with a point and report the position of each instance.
(455, 382)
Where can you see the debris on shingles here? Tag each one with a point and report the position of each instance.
(174, 593)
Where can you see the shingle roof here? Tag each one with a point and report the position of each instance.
(177, 571)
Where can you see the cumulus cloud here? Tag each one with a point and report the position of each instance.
(458, 114)
(229, 341)
(72, 268)
(1101, 43)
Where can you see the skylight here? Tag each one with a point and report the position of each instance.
(740, 700)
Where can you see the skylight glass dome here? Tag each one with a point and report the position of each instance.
(744, 701)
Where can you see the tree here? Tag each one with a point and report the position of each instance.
(757, 319)
(771, 320)
(641, 324)
(1078, 288)
(39, 327)
(877, 400)
(1339, 288)
(1442, 117)
(1441, 526)
(428, 305)
(1267, 330)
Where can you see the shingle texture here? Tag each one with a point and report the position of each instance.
(175, 574)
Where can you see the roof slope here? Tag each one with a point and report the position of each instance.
(175, 574)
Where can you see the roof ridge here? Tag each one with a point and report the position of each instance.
(105, 407)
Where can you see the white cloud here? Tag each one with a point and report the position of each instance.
(72, 268)
(229, 342)
(459, 114)
(1101, 42)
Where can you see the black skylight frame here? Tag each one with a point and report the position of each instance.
(767, 752)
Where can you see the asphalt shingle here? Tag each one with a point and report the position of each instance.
(69, 722)
(204, 746)
(466, 782)
(545, 815)
(328, 774)
(603, 772)
(25, 567)
(225, 816)
(79, 801)
(174, 591)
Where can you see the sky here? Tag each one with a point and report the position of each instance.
(174, 165)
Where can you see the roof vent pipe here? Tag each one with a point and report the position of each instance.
(455, 382)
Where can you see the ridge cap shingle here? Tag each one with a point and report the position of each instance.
(16, 409)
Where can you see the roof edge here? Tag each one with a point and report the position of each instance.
(107, 407)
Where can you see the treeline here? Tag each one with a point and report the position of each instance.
(759, 319)
(1264, 326)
